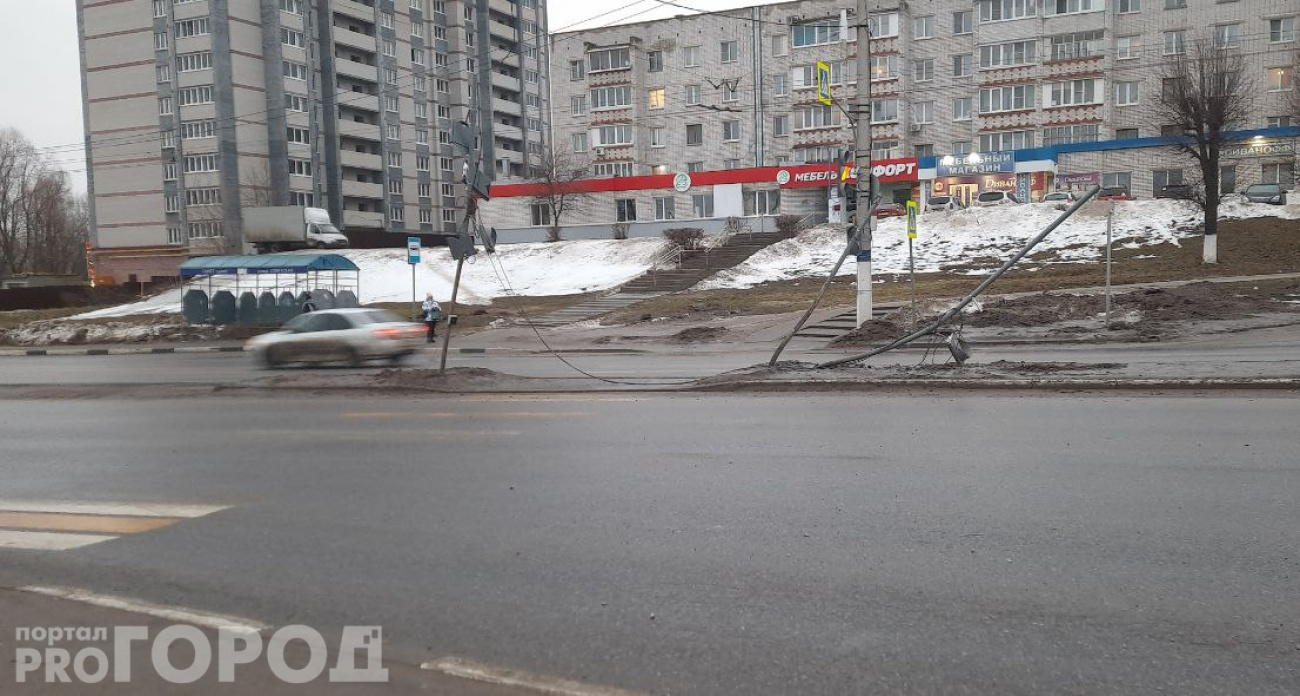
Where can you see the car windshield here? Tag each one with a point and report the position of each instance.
(1058, 196)
(1264, 188)
(296, 323)
(940, 200)
(376, 316)
(991, 196)
(1114, 191)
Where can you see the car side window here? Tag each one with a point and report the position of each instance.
(336, 322)
(316, 322)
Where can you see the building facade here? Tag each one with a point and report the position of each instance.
(195, 109)
(1068, 86)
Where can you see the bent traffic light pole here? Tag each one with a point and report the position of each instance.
(948, 315)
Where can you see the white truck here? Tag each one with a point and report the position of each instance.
(285, 228)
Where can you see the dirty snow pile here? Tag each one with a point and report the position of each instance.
(955, 238)
(62, 332)
(559, 268)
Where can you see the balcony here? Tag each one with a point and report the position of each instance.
(358, 219)
(347, 37)
(506, 82)
(356, 189)
(506, 106)
(502, 130)
(361, 160)
(355, 70)
(503, 30)
(360, 131)
(349, 8)
(360, 101)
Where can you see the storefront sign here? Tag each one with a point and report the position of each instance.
(1087, 179)
(976, 163)
(1259, 148)
(682, 182)
(888, 171)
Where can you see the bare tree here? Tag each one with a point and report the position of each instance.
(558, 172)
(1206, 93)
(43, 225)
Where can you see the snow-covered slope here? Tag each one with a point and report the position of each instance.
(955, 237)
(559, 268)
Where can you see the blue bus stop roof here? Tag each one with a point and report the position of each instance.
(265, 264)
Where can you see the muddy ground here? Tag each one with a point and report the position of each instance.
(1152, 314)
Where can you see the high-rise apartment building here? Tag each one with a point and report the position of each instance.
(195, 109)
(1069, 86)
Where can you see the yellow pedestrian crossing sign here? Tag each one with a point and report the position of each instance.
(824, 84)
(912, 208)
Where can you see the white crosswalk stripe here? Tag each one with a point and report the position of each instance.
(64, 525)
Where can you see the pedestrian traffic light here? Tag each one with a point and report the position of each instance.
(851, 204)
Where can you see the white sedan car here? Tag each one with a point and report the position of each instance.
(350, 336)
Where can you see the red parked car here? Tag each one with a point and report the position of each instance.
(888, 210)
(1114, 193)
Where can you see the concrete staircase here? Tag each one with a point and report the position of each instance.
(696, 266)
(595, 307)
(835, 326)
(699, 264)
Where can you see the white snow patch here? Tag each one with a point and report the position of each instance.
(536, 269)
(955, 237)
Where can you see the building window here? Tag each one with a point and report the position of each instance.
(883, 26)
(395, 187)
(169, 171)
(389, 48)
(1126, 133)
(1008, 54)
(1006, 140)
(204, 230)
(580, 141)
(394, 131)
(299, 167)
(195, 130)
(1084, 44)
(961, 148)
(692, 95)
(1175, 42)
(396, 213)
(390, 76)
(422, 163)
(780, 85)
(665, 208)
(766, 202)
(655, 61)
(609, 59)
(194, 62)
(165, 106)
(923, 150)
(168, 138)
(655, 98)
(884, 110)
(1281, 173)
(1127, 48)
(192, 27)
(694, 167)
(962, 108)
(171, 203)
(1078, 133)
(612, 169)
(296, 103)
(820, 116)
(1117, 180)
(702, 205)
(164, 73)
(1228, 179)
(963, 65)
(695, 134)
(1281, 30)
(1075, 92)
(731, 163)
(780, 44)
(963, 22)
(449, 216)
(394, 159)
(578, 105)
(1005, 10)
(626, 209)
(577, 69)
(1175, 4)
(1281, 79)
(923, 112)
(886, 149)
(189, 96)
(174, 236)
(923, 27)
(780, 126)
(291, 37)
(445, 163)
(611, 97)
(882, 68)
(1129, 6)
(658, 137)
(730, 51)
(816, 33)
(691, 56)
(1126, 93)
(1227, 36)
(295, 71)
(203, 196)
(391, 103)
(200, 163)
(613, 135)
(730, 131)
(291, 6)
(1279, 122)
(1161, 178)
(447, 190)
(540, 214)
(923, 70)
(1060, 7)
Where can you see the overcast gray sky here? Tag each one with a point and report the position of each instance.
(40, 82)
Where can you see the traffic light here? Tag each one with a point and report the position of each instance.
(851, 204)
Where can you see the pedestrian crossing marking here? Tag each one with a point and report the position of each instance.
(37, 525)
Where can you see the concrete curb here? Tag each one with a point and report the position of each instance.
(169, 350)
(768, 385)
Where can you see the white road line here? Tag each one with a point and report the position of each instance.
(477, 671)
(176, 614)
(48, 541)
(72, 507)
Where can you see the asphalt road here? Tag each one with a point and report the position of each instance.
(715, 544)
(1260, 353)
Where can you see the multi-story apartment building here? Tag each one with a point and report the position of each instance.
(1069, 85)
(195, 109)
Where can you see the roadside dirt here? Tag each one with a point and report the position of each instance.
(1153, 313)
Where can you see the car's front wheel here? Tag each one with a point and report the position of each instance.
(272, 358)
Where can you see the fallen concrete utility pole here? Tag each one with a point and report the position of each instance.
(956, 310)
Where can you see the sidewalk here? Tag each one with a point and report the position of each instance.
(28, 610)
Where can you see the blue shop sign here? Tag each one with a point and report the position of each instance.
(976, 163)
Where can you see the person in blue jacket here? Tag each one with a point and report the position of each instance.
(432, 313)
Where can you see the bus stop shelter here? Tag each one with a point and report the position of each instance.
(266, 289)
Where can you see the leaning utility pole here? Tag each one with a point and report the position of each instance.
(866, 214)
